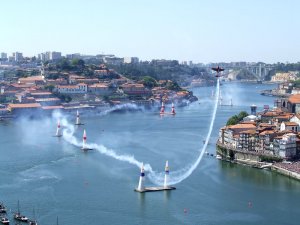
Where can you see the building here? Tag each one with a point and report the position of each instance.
(292, 126)
(29, 108)
(293, 103)
(285, 146)
(33, 80)
(73, 56)
(132, 60)
(99, 89)
(113, 60)
(72, 89)
(55, 56)
(49, 56)
(284, 77)
(17, 56)
(135, 89)
(3, 56)
(230, 134)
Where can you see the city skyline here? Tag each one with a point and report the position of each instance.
(201, 32)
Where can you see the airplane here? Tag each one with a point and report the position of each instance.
(218, 70)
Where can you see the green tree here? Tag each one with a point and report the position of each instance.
(236, 118)
(149, 82)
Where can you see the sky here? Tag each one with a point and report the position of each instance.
(198, 30)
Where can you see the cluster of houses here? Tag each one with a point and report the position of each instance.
(38, 93)
(273, 132)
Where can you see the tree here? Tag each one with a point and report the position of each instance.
(149, 82)
(236, 118)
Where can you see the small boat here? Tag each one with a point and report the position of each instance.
(21, 218)
(211, 154)
(18, 216)
(218, 157)
(2, 208)
(32, 222)
(4, 220)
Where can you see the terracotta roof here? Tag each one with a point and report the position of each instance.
(294, 99)
(99, 85)
(291, 124)
(52, 107)
(46, 99)
(248, 132)
(241, 126)
(32, 78)
(28, 105)
(40, 93)
(267, 132)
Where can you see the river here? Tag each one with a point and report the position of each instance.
(55, 178)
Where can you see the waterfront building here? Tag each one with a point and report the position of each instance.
(285, 146)
(19, 108)
(247, 140)
(231, 133)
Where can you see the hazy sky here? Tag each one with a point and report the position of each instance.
(198, 30)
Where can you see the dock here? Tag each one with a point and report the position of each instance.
(152, 189)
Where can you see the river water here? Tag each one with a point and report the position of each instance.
(55, 178)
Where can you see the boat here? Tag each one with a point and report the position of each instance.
(19, 217)
(4, 220)
(2, 208)
(33, 222)
(218, 157)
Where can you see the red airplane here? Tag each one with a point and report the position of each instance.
(218, 70)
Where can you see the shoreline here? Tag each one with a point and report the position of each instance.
(256, 164)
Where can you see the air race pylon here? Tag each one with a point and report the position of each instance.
(84, 145)
(141, 186)
(78, 119)
(166, 175)
(58, 131)
(173, 109)
(162, 109)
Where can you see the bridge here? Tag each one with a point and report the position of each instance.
(259, 70)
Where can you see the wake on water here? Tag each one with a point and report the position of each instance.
(155, 177)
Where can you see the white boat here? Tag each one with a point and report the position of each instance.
(218, 157)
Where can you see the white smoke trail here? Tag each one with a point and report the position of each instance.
(68, 135)
(180, 175)
(155, 177)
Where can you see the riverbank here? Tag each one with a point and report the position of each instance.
(289, 169)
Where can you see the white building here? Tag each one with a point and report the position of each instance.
(289, 126)
(287, 146)
(131, 60)
(46, 56)
(72, 89)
